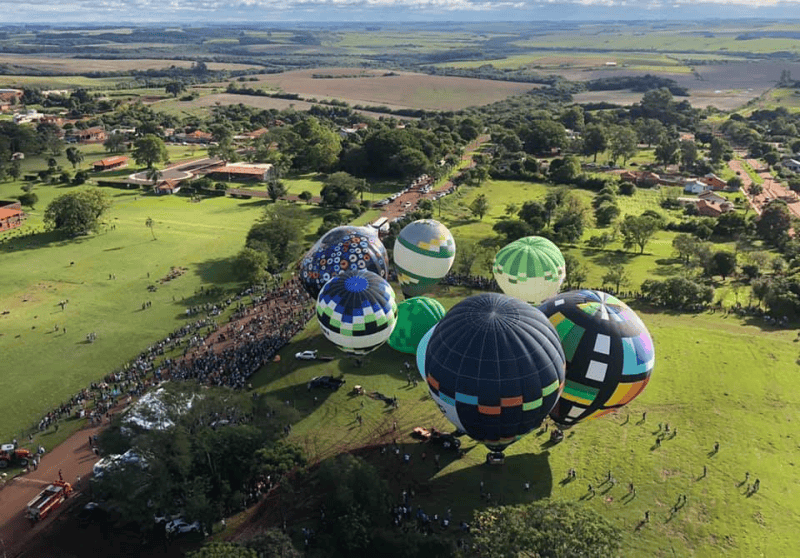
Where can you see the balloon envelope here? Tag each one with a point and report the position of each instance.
(495, 368)
(421, 349)
(530, 269)
(423, 253)
(356, 311)
(339, 250)
(415, 317)
(610, 354)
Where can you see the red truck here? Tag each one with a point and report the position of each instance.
(48, 500)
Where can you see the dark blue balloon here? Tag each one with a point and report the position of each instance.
(495, 367)
(342, 249)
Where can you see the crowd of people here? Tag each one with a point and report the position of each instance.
(208, 353)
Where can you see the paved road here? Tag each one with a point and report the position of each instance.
(772, 188)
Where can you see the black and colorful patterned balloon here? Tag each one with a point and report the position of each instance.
(610, 354)
(339, 250)
(495, 368)
(357, 311)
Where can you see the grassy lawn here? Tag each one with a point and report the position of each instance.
(712, 380)
(41, 269)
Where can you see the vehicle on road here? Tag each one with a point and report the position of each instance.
(48, 500)
(328, 382)
(9, 455)
(306, 355)
(181, 527)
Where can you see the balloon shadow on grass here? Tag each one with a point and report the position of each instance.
(523, 478)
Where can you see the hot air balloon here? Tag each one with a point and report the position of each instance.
(339, 250)
(423, 253)
(415, 317)
(495, 368)
(530, 269)
(609, 351)
(357, 311)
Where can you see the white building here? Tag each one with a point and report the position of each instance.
(696, 187)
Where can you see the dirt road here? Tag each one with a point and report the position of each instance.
(74, 458)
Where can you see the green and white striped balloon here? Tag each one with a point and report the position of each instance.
(530, 269)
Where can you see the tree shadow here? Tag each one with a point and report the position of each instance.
(218, 271)
(41, 240)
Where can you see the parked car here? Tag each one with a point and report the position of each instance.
(182, 527)
(421, 433)
(447, 441)
(328, 382)
(306, 355)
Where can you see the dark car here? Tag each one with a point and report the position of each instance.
(328, 382)
(447, 441)
(92, 513)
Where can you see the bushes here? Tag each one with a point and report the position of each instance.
(677, 293)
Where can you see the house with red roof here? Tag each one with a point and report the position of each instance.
(11, 215)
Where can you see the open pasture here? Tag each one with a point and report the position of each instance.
(403, 90)
(105, 277)
(716, 379)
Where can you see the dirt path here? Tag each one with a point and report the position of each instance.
(74, 458)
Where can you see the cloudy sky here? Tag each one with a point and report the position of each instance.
(220, 11)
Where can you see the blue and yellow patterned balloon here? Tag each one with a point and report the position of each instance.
(423, 254)
(610, 354)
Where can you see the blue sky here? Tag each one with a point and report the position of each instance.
(164, 12)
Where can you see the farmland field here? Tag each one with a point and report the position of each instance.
(205, 102)
(404, 90)
(69, 66)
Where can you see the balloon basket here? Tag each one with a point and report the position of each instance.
(495, 458)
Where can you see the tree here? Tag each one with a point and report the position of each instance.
(361, 186)
(755, 189)
(175, 88)
(78, 212)
(466, 255)
(149, 150)
(339, 190)
(513, 229)
(480, 206)
(667, 151)
(279, 234)
(273, 543)
(543, 135)
(689, 154)
(149, 223)
(320, 146)
(637, 231)
(577, 272)
(686, 246)
(223, 550)
(251, 265)
(774, 222)
(28, 199)
(153, 175)
(276, 189)
(723, 263)
(551, 529)
(623, 143)
(116, 143)
(574, 217)
(306, 196)
(617, 276)
(74, 156)
(594, 140)
(717, 150)
(735, 183)
(535, 214)
(15, 169)
(649, 130)
(566, 170)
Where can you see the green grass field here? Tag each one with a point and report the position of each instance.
(44, 367)
(716, 379)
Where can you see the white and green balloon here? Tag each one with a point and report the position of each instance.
(531, 269)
